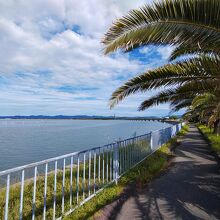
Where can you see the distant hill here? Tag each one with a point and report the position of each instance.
(71, 117)
(51, 117)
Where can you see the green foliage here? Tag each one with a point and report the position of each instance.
(213, 138)
(174, 117)
(184, 130)
(91, 207)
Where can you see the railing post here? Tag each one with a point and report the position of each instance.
(7, 197)
(170, 132)
(134, 148)
(151, 141)
(174, 130)
(115, 162)
(177, 128)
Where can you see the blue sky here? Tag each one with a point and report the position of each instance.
(51, 59)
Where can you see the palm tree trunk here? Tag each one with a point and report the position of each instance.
(217, 127)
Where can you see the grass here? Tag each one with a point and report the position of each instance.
(141, 174)
(213, 138)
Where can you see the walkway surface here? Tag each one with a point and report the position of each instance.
(190, 189)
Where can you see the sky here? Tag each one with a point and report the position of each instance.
(52, 62)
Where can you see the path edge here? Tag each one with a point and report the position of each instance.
(213, 152)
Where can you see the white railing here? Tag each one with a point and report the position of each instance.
(52, 188)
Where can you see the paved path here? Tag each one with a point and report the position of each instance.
(190, 189)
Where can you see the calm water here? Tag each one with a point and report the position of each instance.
(27, 141)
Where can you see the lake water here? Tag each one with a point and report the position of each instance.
(27, 141)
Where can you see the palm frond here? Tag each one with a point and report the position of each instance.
(182, 96)
(187, 48)
(176, 96)
(180, 104)
(173, 96)
(168, 21)
(206, 99)
(160, 98)
(203, 69)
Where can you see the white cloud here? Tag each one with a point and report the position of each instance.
(40, 52)
(144, 50)
(165, 51)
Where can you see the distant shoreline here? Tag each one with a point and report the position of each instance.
(73, 117)
(121, 118)
(83, 117)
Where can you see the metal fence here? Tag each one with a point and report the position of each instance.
(55, 187)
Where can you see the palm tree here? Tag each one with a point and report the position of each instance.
(193, 27)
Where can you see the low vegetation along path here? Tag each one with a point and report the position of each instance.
(190, 189)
